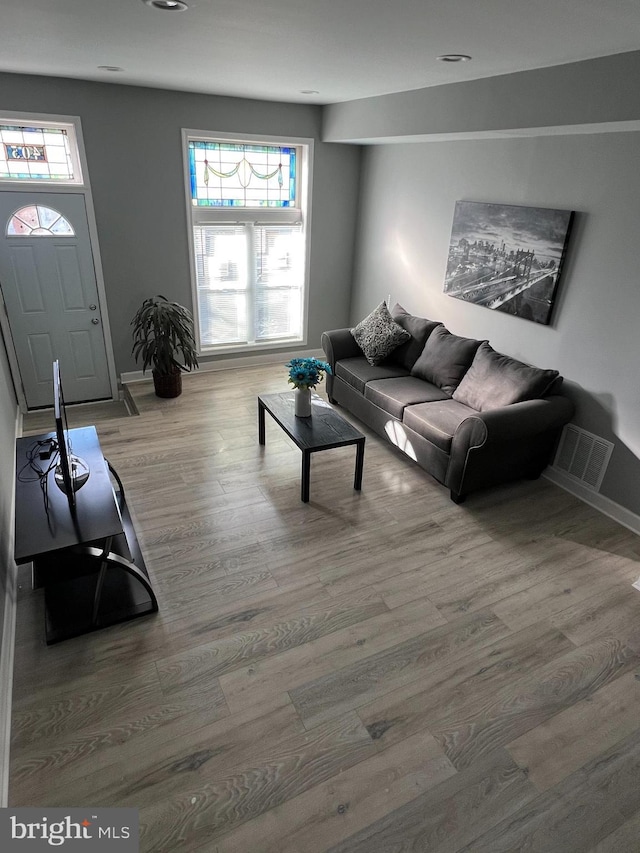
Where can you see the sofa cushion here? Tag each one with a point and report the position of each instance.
(445, 359)
(357, 371)
(437, 421)
(379, 334)
(419, 328)
(393, 395)
(496, 380)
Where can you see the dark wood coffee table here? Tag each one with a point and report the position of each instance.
(322, 431)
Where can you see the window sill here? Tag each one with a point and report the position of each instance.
(247, 348)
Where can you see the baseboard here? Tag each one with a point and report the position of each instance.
(232, 363)
(604, 505)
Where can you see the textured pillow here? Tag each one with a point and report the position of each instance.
(379, 334)
(495, 380)
(445, 359)
(419, 328)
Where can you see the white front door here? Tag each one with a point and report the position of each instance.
(48, 282)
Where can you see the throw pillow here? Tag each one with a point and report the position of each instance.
(379, 334)
(445, 359)
(495, 380)
(419, 328)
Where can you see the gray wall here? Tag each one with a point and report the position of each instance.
(133, 145)
(8, 415)
(407, 203)
(566, 137)
(574, 96)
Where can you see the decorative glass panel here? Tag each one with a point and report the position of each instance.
(62, 228)
(47, 216)
(29, 215)
(35, 153)
(227, 174)
(37, 220)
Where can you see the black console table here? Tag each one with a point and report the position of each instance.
(87, 559)
(324, 430)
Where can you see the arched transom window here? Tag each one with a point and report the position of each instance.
(36, 220)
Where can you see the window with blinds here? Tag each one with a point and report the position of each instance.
(247, 203)
(250, 282)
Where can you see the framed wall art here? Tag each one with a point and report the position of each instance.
(507, 257)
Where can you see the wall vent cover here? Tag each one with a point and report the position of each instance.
(583, 456)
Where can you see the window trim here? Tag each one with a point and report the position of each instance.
(69, 123)
(197, 215)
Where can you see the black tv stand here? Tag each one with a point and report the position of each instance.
(87, 559)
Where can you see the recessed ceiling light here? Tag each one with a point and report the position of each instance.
(167, 5)
(454, 57)
(110, 68)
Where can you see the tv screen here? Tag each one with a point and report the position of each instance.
(71, 473)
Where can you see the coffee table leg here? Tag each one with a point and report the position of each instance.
(306, 473)
(260, 422)
(357, 480)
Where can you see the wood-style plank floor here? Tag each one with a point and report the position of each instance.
(373, 671)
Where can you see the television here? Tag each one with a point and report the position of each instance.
(71, 472)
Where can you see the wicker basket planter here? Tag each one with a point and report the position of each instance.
(167, 384)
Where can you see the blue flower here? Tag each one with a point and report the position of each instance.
(306, 372)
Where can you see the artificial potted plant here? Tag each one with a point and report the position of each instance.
(163, 339)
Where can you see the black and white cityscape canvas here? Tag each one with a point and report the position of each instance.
(507, 257)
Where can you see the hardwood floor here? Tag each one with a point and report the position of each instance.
(374, 671)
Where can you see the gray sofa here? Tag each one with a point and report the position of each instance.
(471, 417)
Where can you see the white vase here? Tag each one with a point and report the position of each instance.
(302, 398)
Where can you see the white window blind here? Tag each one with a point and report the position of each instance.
(250, 282)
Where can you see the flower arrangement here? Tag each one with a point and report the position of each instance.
(306, 373)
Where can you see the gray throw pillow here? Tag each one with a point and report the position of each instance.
(379, 334)
(496, 380)
(419, 328)
(445, 359)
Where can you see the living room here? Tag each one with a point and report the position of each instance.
(388, 171)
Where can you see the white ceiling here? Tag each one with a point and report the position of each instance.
(273, 49)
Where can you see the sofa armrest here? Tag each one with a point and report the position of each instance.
(339, 344)
(519, 420)
(506, 443)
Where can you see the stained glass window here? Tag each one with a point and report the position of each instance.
(247, 203)
(36, 154)
(39, 221)
(229, 174)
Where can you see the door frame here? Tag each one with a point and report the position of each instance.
(82, 188)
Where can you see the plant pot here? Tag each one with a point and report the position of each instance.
(167, 384)
(303, 403)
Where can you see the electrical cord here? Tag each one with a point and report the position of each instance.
(32, 471)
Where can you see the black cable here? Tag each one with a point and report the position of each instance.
(38, 473)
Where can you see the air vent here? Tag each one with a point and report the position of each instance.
(583, 456)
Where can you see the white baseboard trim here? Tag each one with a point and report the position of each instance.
(604, 505)
(232, 363)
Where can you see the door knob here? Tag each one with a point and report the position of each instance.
(92, 307)
(95, 321)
